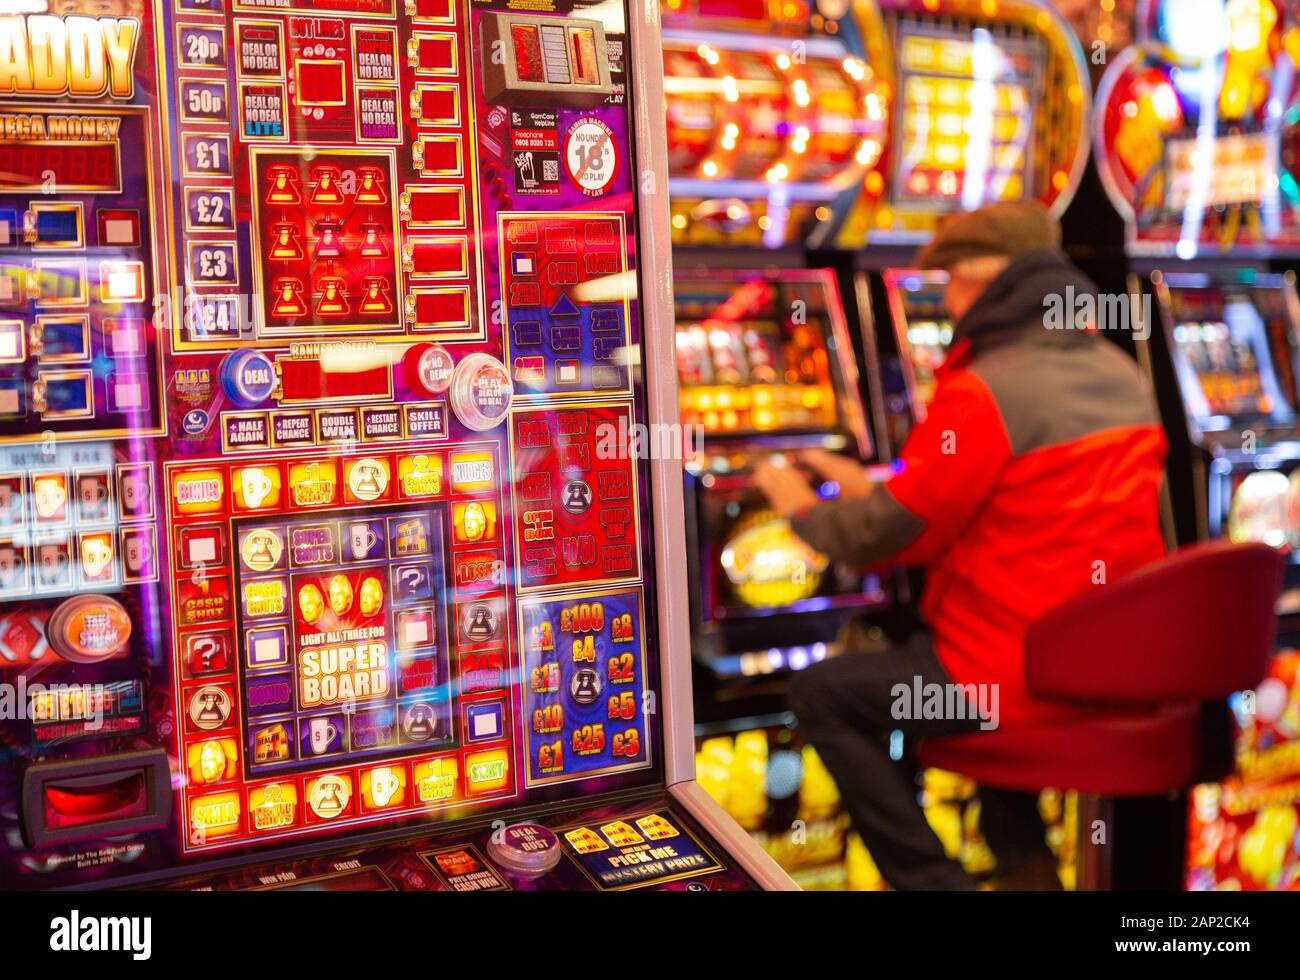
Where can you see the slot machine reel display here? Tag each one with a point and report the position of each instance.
(1233, 344)
(343, 532)
(775, 113)
(764, 365)
(990, 103)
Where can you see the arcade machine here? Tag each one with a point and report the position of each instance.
(342, 542)
(774, 112)
(1195, 144)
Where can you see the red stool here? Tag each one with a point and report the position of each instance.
(1145, 652)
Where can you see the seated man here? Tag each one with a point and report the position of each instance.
(1034, 477)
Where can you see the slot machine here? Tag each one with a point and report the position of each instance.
(1195, 145)
(922, 335)
(774, 116)
(328, 558)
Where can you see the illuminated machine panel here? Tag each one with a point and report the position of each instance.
(1233, 341)
(323, 359)
(869, 123)
(964, 132)
(989, 103)
(773, 116)
(1196, 132)
(747, 366)
(78, 230)
(1258, 809)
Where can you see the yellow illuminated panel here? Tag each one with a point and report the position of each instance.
(967, 120)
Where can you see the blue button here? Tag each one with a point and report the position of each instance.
(248, 378)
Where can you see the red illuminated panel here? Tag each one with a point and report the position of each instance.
(79, 166)
(586, 67)
(72, 806)
(433, 10)
(436, 54)
(752, 10)
(328, 257)
(441, 307)
(441, 155)
(439, 103)
(528, 53)
(320, 83)
(437, 206)
(307, 379)
(439, 256)
(574, 509)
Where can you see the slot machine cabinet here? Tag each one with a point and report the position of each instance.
(322, 560)
(83, 226)
(1232, 340)
(772, 119)
(990, 103)
(774, 115)
(1202, 173)
(765, 367)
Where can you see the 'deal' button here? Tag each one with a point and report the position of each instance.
(248, 378)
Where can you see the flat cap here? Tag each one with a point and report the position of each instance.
(1010, 228)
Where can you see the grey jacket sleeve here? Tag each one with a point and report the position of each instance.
(860, 531)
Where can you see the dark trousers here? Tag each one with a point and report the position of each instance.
(844, 706)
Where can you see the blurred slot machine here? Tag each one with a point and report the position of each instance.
(775, 113)
(346, 533)
(773, 118)
(83, 260)
(757, 380)
(1194, 125)
(922, 334)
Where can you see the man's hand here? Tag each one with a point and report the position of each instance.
(785, 488)
(848, 473)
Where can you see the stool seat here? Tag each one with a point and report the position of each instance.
(1115, 754)
(1139, 656)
